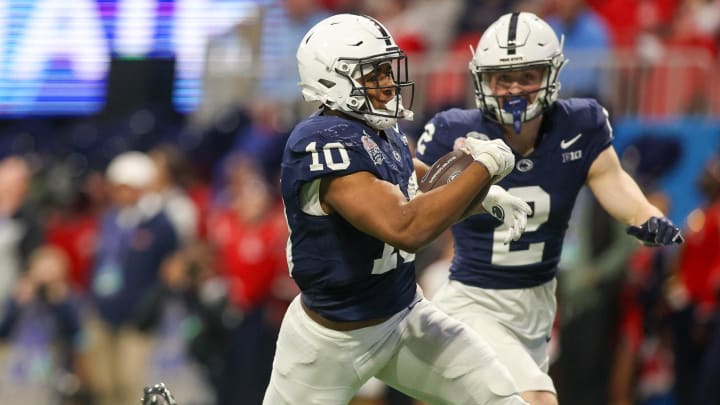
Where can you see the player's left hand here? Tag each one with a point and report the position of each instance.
(656, 231)
(511, 210)
(495, 155)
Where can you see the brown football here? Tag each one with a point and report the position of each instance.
(444, 171)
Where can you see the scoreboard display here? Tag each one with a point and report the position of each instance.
(55, 55)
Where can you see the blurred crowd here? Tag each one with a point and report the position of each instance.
(151, 247)
(141, 278)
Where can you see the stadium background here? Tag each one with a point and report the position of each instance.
(212, 84)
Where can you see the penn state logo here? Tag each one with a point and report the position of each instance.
(524, 165)
(498, 212)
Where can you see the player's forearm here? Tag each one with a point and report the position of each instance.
(378, 208)
(632, 208)
(429, 214)
(622, 198)
(644, 212)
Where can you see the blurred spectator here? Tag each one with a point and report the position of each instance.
(586, 45)
(642, 371)
(695, 24)
(190, 319)
(708, 238)
(43, 361)
(342, 6)
(591, 269)
(254, 62)
(694, 295)
(172, 177)
(285, 24)
(399, 19)
(135, 236)
(20, 231)
(689, 35)
(263, 138)
(249, 233)
(410, 22)
(708, 388)
(73, 227)
(476, 16)
(232, 68)
(592, 279)
(628, 19)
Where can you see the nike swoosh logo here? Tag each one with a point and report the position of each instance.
(566, 144)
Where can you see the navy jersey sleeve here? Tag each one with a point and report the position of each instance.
(341, 151)
(436, 139)
(596, 123)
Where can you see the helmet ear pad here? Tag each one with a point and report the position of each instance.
(336, 52)
(513, 42)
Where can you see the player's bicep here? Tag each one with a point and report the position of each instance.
(364, 200)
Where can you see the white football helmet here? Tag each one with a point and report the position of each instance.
(343, 48)
(517, 41)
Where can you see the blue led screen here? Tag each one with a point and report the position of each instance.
(55, 54)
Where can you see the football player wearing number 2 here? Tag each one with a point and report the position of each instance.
(507, 291)
(349, 187)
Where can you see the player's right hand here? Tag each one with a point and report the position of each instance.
(495, 155)
(656, 231)
(511, 210)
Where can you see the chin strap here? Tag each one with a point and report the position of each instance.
(516, 107)
(388, 119)
(379, 123)
(374, 121)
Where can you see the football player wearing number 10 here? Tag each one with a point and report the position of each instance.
(355, 219)
(507, 291)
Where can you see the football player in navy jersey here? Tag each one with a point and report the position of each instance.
(506, 291)
(355, 218)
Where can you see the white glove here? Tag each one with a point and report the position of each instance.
(511, 210)
(495, 155)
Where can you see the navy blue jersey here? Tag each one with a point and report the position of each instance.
(343, 273)
(573, 134)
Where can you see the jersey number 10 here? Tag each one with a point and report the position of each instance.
(328, 157)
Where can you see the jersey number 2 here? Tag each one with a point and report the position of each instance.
(501, 253)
